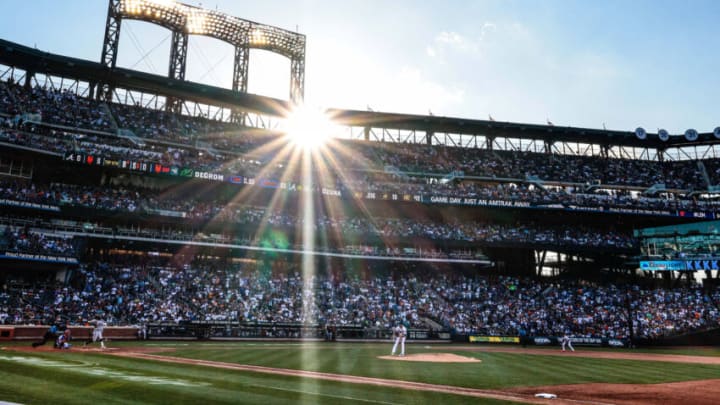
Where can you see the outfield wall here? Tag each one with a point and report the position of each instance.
(217, 332)
(704, 338)
(23, 332)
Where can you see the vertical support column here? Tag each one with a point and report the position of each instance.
(28, 79)
(540, 262)
(548, 147)
(661, 157)
(176, 67)
(240, 70)
(108, 58)
(605, 151)
(178, 55)
(428, 137)
(240, 79)
(297, 78)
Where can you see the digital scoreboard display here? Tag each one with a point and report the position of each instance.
(664, 265)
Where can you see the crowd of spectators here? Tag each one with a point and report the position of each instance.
(24, 240)
(121, 294)
(518, 165)
(55, 106)
(63, 142)
(226, 141)
(660, 312)
(355, 181)
(157, 124)
(341, 229)
(157, 291)
(362, 173)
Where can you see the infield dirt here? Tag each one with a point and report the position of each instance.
(433, 358)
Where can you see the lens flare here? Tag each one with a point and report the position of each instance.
(308, 127)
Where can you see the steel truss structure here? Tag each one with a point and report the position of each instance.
(128, 96)
(184, 20)
(29, 67)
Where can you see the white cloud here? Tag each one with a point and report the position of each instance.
(452, 41)
(409, 90)
(515, 75)
(447, 41)
(486, 28)
(503, 68)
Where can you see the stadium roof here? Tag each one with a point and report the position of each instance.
(33, 60)
(549, 133)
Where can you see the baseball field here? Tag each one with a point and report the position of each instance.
(353, 373)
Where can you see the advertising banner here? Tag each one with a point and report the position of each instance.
(32, 205)
(579, 341)
(38, 257)
(494, 339)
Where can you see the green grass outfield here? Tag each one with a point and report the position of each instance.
(89, 377)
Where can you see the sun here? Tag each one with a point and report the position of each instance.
(308, 127)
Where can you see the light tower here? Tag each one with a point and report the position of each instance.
(184, 20)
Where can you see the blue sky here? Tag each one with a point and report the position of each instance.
(579, 63)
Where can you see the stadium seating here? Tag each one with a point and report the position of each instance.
(135, 287)
(157, 291)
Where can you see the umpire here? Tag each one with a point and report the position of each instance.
(50, 334)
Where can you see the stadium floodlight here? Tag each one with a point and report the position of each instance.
(640, 133)
(716, 132)
(663, 135)
(184, 20)
(257, 37)
(196, 23)
(691, 135)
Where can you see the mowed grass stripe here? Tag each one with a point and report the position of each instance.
(684, 351)
(315, 393)
(74, 386)
(311, 377)
(28, 384)
(559, 369)
(37, 385)
(497, 370)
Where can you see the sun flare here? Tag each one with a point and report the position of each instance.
(309, 127)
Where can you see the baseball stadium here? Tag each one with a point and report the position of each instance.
(165, 240)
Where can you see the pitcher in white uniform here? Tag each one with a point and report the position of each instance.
(399, 333)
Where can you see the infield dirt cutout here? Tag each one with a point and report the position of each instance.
(433, 358)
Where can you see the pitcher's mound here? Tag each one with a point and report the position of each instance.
(433, 358)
